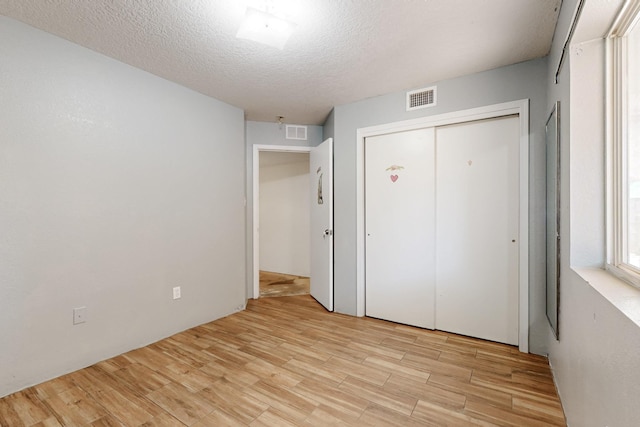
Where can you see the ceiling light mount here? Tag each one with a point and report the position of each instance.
(266, 28)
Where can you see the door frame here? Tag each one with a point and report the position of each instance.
(257, 149)
(519, 107)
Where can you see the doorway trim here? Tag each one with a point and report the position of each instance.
(257, 148)
(519, 107)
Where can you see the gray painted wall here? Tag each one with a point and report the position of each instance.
(595, 362)
(520, 81)
(115, 186)
(263, 133)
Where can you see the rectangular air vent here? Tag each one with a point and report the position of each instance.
(297, 132)
(421, 98)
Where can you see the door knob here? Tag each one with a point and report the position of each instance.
(327, 232)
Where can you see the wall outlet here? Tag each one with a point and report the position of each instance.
(79, 315)
(176, 292)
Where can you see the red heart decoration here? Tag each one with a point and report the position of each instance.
(394, 178)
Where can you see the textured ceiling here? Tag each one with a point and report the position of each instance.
(341, 51)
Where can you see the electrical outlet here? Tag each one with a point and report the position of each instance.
(79, 315)
(176, 292)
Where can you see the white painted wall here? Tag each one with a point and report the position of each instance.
(520, 81)
(595, 362)
(263, 133)
(284, 213)
(115, 186)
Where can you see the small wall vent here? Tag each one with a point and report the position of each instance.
(297, 132)
(421, 98)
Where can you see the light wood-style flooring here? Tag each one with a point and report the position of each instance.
(287, 362)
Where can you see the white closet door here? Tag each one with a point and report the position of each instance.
(400, 227)
(477, 229)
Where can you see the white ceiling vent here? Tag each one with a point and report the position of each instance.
(421, 98)
(297, 132)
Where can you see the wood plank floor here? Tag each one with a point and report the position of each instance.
(287, 362)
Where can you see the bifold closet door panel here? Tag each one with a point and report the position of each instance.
(400, 227)
(477, 199)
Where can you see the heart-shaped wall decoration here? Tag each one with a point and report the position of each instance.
(394, 178)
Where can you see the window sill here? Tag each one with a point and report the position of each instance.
(623, 296)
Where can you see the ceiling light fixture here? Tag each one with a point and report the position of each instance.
(265, 28)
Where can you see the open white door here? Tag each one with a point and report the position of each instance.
(321, 174)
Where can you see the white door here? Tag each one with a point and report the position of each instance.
(321, 173)
(477, 229)
(399, 226)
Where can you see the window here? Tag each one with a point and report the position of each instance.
(624, 186)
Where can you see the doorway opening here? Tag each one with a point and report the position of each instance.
(280, 221)
(320, 217)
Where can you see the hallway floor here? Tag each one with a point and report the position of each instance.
(282, 285)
